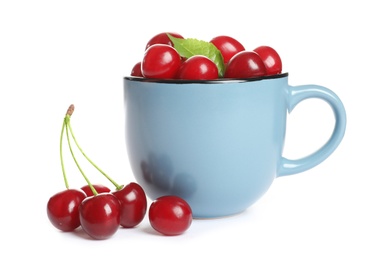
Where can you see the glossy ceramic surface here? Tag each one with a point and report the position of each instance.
(218, 145)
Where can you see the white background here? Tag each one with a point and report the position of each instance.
(54, 53)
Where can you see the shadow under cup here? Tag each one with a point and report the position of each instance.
(217, 144)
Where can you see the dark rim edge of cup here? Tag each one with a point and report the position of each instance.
(220, 80)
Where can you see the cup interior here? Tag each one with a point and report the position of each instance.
(215, 81)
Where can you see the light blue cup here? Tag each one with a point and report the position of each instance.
(217, 144)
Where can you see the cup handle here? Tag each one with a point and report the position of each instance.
(298, 94)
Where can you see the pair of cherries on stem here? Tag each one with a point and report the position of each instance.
(99, 211)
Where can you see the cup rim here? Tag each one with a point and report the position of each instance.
(219, 80)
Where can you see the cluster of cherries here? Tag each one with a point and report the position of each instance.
(100, 212)
(163, 60)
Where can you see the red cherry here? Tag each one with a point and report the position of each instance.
(198, 67)
(162, 38)
(228, 46)
(98, 187)
(136, 70)
(133, 204)
(245, 64)
(62, 209)
(270, 58)
(160, 61)
(100, 215)
(170, 215)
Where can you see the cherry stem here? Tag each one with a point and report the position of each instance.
(67, 120)
(118, 187)
(61, 154)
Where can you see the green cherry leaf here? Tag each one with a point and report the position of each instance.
(189, 47)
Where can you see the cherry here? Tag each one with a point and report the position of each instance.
(100, 215)
(98, 187)
(170, 215)
(62, 209)
(228, 46)
(198, 67)
(270, 58)
(160, 61)
(136, 70)
(133, 204)
(245, 64)
(162, 38)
